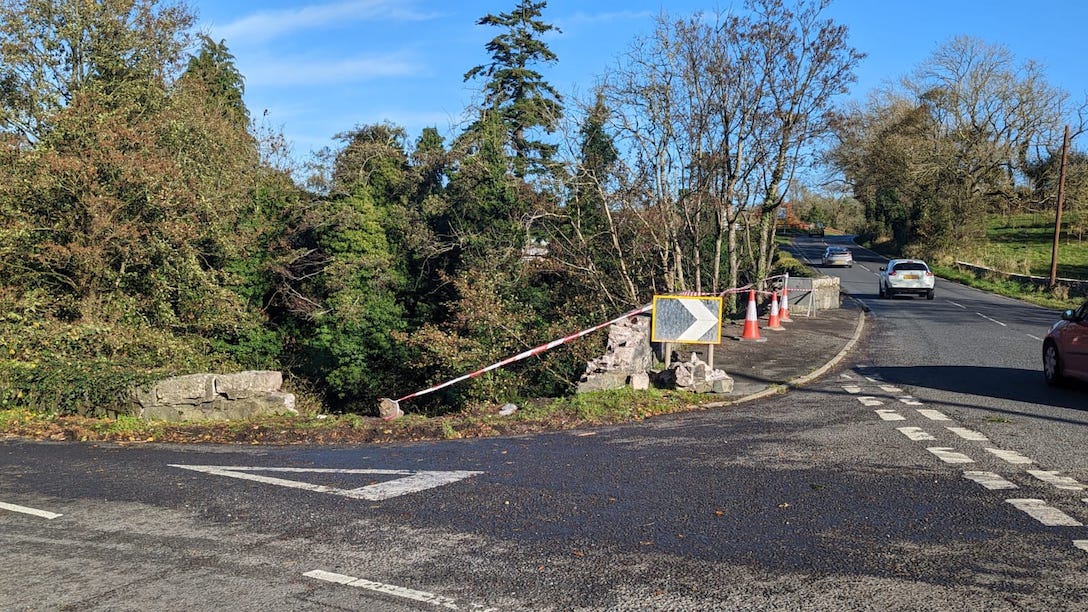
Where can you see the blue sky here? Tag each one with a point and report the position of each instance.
(319, 67)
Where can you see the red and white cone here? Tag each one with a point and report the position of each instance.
(773, 321)
(784, 306)
(751, 320)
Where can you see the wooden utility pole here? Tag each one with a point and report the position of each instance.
(1058, 217)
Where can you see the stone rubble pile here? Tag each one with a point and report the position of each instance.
(214, 397)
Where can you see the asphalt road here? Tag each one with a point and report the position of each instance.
(932, 470)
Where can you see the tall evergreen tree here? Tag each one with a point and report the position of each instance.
(515, 91)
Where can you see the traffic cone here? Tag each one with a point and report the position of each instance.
(751, 320)
(784, 306)
(773, 321)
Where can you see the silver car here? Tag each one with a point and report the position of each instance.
(838, 256)
(906, 276)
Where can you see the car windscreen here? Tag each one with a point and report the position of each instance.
(910, 265)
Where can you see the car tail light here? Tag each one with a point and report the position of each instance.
(892, 273)
(928, 273)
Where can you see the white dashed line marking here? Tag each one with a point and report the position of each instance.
(910, 401)
(851, 388)
(390, 589)
(33, 511)
(868, 400)
(1010, 456)
(968, 434)
(991, 320)
(1038, 510)
(890, 415)
(1034, 337)
(989, 480)
(1061, 482)
(891, 389)
(957, 304)
(1081, 544)
(915, 433)
(949, 456)
(933, 415)
(846, 376)
(872, 380)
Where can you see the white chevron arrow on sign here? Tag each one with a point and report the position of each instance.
(704, 320)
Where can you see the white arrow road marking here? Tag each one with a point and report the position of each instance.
(33, 511)
(890, 415)
(968, 434)
(949, 456)
(868, 400)
(933, 415)
(915, 433)
(411, 483)
(1010, 456)
(910, 401)
(390, 589)
(705, 320)
(1061, 482)
(989, 480)
(1038, 510)
(851, 388)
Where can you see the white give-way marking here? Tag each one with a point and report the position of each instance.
(949, 456)
(989, 480)
(1047, 515)
(411, 482)
(32, 511)
(1010, 456)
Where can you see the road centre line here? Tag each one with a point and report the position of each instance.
(1047, 515)
(1010, 456)
(390, 589)
(32, 511)
(992, 320)
(989, 480)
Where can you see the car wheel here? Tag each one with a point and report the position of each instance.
(1052, 364)
(880, 291)
(929, 294)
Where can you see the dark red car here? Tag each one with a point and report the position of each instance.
(1065, 349)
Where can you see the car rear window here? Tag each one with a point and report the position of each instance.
(910, 265)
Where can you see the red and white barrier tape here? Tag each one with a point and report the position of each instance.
(525, 354)
(554, 343)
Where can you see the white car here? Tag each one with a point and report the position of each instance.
(838, 256)
(906, 276)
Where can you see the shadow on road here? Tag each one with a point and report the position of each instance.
(1002, 383)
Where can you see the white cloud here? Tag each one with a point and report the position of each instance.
(274, 73)
(266, 25)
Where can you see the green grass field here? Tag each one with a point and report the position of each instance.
(1023, 244)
